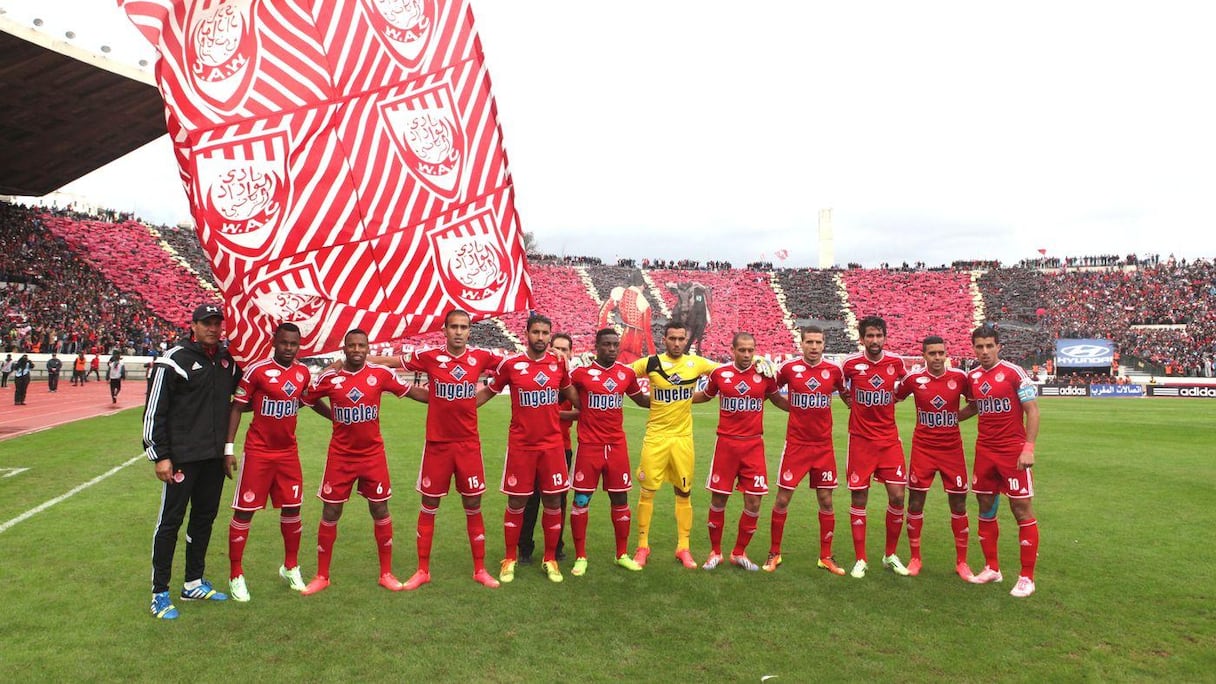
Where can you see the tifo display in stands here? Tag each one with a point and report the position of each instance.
(73, 282)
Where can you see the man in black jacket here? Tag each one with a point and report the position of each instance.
(53, 366)
(185, 428)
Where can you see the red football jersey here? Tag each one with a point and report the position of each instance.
(937, 402)
(810, 391)
(995, 394)
(451, 410)
(741, 396)
(275, 393)
(354, 399)
(601, 398)
(872, 387)
(535, 394)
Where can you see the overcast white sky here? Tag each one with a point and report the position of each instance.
(934, 130)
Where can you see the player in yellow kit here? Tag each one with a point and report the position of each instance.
(667, 450)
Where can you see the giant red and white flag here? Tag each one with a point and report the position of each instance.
(343, 161)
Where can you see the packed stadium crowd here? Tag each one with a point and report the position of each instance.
(75, 281)
(54, 300)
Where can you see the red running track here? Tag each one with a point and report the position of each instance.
(44, 409)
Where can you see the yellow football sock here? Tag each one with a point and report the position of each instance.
(645, 513)
(683, 521)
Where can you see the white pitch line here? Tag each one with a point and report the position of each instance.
(70, 493)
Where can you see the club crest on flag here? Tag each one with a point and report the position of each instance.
(221, 51)
(291, 295)
(241, 191)
(471, 261)
(404, 26)
(429, 135)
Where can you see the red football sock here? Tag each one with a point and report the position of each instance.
(827, 530)
(989, 533)
(512, 521)
(747, 527)
(327, 534)
(1028, 542)
(475, 526)
(383, 529)
(238, 534)
(621, 521)
(777, 529)
(717, 519)
(895, 524)
(958, 523)
(551, 520)
(916, 522)
(857, 521)
(292, 529)
(426, 533)
(578, 530)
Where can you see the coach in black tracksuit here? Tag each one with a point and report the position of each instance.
(185, 428)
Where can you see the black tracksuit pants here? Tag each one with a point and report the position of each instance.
(200, 487)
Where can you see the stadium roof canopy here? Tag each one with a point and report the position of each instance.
(65, 111)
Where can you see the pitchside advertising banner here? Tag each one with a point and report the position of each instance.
(1183, 391)
(1068, 391)
(1116, 390)
(343, 162)
(1084, 353)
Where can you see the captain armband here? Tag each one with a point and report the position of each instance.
(1027, 393)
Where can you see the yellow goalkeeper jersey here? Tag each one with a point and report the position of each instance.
(672, 383)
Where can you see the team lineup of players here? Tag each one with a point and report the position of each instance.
(540, 381)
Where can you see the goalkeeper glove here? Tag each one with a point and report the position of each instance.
(764, 367)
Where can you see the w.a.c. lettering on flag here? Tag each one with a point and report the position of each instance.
(429, 136)
(404, 26)
(221, 51)
(344, 163)
(242, 190)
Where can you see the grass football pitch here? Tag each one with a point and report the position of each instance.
(1126, 502)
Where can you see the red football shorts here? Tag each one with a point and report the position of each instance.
(799, 460)
(738, 464)
(996, 472)
(925, 463)
(609, 460)
(526, 469)
(441, 461)
(273, 474)
(869, 460)
(342, 471)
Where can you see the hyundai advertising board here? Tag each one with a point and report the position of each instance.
(1080, 353)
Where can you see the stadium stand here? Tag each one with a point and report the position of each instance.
(1106, 303)
(53, 300)
(605, 278)
(77, 282)
(741, 301)
(561, 295)
(126, 253)
(183, 243)
(1013, 300)
(813, 299)
(915, 304)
